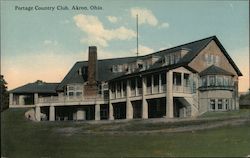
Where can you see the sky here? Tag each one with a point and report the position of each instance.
(38, 43)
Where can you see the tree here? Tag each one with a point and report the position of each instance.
(4, 94)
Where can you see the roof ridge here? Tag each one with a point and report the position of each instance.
(212, 37)
(111, 59)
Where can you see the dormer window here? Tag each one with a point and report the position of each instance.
(140, 66)
(172, 58)
(80, 71)
(117, 68)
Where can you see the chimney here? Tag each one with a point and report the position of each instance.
(92, 65)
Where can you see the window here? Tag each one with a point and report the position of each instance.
(139, 82)
(227, 81)
(211, 80)
(219, 80)
(124, 85)
(114, 68)
(132, 83)
(212, 59)
(71, 93)
(100, 89)
(177, 78)
(71, 88)
(167, 59)
(172, 59)
(119, 86)
(80, 71)
(78, 87)
(148, 81)
(177, 57)
(140, 66)
(78, 93)
(186, 80)
(212, 104)
(156, 79)
(112, 87)
(163, 78)
(75, 90)
(220, 104)
(204, 81)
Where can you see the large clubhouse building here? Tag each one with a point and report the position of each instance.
(183, 81)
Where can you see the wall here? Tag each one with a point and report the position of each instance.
(199, 63)
(204, 98)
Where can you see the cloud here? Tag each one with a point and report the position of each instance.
(143, 50)
(50, 42)
(64, 21)
(112, 19)
(145, 16)
(164, 25)
(97, 34)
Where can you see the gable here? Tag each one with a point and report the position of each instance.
(199, 63)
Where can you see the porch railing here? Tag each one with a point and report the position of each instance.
(181, 89)
(59, 99)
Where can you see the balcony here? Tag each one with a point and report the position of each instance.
(207, 88)
(68, 99)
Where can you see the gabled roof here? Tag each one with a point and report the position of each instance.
(105, 65)
(227, 56)
(104, 71)
(36, 87)
(214, 70)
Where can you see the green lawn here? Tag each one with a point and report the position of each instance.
(23, 138)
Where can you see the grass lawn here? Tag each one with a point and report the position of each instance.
(23, 138)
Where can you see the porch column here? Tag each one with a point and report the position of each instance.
(169, 92)
(38, 113)
(97, 112)
(10, 99)
(129, 108)
(51, 113)
(21, 100)
(144, 101)
(152, 84)
(35, 98)
(128, 89)
(136, 87)
(160, 88)
(111, 112)
(80, 114)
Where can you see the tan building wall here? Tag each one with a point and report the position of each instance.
(204, 98)
(200, 64)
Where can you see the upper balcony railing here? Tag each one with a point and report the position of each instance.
(182, 89)
(62, 99)
(216, 87)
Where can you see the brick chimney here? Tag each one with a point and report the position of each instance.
(92, 65)
(90, 88)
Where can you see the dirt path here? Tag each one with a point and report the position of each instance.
(153, 126)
